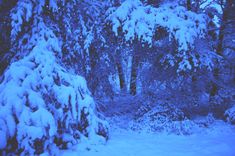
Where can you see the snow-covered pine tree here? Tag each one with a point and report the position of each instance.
(43, 106)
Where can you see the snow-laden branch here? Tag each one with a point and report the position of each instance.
(137, 20)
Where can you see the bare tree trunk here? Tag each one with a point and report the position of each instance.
(134, 70)
(221, 35)
(189, 4)
(121, 75)
(91, 74)
(118, 62)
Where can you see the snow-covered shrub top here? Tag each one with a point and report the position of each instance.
(163, 118)
(137, 20)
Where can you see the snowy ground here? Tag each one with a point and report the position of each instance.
(218, 140)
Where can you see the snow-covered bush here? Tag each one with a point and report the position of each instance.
(222, 100)
(164, 118)
(230, 115)
(159, 118)
(40, 100)
(204, 121)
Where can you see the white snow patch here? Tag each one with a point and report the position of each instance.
(216, 141)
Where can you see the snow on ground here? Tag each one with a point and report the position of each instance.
(218, 140)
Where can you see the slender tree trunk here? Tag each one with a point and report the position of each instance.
(91, 75)
(134, 71)
(221, 37)
(118, 62)
(121, 75)
(189, 4)
(215, 87)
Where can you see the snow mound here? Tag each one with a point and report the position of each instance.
(169, 119)
(163, 118)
